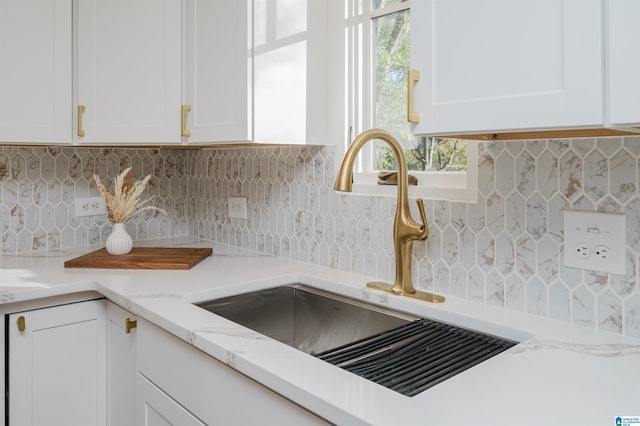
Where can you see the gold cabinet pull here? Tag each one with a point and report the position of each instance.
(130, 325)
(81, 109)
(413, 76)
(21, 323)
(183, 121)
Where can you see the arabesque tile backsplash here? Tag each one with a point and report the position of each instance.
(506, 250)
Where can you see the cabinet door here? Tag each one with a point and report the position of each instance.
(35, 76)
(499, 65)
(56, 366)
(290, 65)
(623, 79)
(217, 64)
(121, 366)
(129, 71)
(159, 409)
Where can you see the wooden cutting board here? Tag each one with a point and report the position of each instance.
(142, 258)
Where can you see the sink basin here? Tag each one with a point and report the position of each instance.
(404, 353)
(307, 319)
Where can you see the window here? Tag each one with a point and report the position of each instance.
(377, 58)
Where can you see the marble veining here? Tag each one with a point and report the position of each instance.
(7, 296)
(504, 250)
(39, 185)
(606, 365)
(603, 350)
(235, 331)
(155, 296)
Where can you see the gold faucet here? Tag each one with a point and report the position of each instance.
(405, 230)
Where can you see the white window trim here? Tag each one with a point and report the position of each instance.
(450, 186)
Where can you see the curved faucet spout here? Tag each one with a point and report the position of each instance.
(405, 229)
(344, 179)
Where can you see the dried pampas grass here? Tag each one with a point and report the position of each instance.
(123, 201)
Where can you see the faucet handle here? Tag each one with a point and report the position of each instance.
(424, 229)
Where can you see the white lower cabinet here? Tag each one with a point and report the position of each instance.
(91, 363)
(158, 409)
(121, 366)
(56, 359)
(72, 364)
(190, 381)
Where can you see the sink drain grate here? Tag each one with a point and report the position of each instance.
(414, 357)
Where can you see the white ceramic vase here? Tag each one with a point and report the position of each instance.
(119, 242)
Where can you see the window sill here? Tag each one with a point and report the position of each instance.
(465, 195)
(447, 186)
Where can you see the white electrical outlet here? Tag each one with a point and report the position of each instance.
(237, 207)
(602, 252)
(90, 206)
(595, 241)
(583, 251)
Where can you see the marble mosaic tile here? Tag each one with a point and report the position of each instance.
(505, 173)
(547, 174)
(515, 293)
(505, 254)
(536, 297)
(39, 185)
(584, 312)
(504, 250)
(559, 303)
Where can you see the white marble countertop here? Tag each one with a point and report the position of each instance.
(559, 374)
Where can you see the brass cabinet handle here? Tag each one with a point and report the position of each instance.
(81, 109)
(183, 121)
(130, 325)
(21, 323)
(413, 76)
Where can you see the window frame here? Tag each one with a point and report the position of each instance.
(359, 70)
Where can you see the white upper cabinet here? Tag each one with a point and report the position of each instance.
(510, 65)
(129, 71)
(291, 71)
(623, 42)
(165, 72)
(217, 61)
(35, 76)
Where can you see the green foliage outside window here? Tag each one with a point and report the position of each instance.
(391, 56)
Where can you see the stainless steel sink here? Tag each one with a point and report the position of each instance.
(401, 352)
(307, 319)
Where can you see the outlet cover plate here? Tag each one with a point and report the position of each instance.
(90, 206)
(593, 229)
(237, 207)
